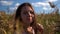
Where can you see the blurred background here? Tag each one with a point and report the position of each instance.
(47, 13)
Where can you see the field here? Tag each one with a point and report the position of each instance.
(49, 21)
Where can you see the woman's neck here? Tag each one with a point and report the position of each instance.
(26, 25)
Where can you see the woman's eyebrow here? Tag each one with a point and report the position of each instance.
(30, 10)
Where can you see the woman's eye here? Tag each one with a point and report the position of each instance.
(31, 12)
(24, 13)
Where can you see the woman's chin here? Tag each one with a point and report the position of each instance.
(29, 22)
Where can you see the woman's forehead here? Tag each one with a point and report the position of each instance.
(27, 8)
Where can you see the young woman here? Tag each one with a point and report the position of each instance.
(25, 14)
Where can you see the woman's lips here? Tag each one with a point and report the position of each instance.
(28, 18)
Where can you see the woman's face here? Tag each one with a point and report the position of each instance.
(27, 15)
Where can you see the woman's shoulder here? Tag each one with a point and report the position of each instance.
(40, 26)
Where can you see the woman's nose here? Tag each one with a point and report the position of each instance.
(29, 14)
